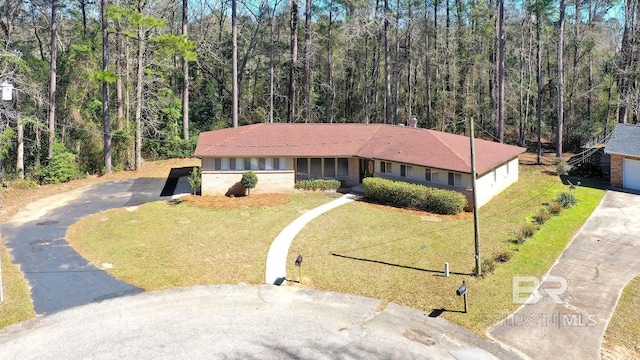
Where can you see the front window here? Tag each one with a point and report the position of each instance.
(302, 168)
(316, 168)
(455, 179)
(343, 167)
(330, 168)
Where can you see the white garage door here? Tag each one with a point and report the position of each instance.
(631, 174)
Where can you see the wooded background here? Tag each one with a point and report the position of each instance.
(105, 83)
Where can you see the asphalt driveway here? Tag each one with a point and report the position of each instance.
(579, 294)
(59, 277)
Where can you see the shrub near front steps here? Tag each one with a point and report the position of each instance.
(413, 196)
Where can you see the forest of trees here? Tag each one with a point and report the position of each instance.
(107, 83)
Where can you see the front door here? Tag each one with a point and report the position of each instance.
(366, 168)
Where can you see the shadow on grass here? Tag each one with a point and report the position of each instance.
(435, 272)
(584, 182)
(437, 312)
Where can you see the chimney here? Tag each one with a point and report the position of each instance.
(413, 122)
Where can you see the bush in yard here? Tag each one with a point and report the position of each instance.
(318, 184)
(62, 167)
(555, 208)
(488, 266)
(249, 180)
(526, 231)
(562, 168)
(195, 179)
(566, 199)
(541, 216)
(405, 195)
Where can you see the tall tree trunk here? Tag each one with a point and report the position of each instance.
(106, 118)
(52, 76)
(539, 83)
(387, 73)
(139, 72)
(500, 130)
(329, 103)
(185, 69)
(560, 78)
(271, 61)
(119, 73)
(396, 68)
(20, 149)
(410, 63)
(294, 60)
(234, 39)
(427, 69)
(307, 60)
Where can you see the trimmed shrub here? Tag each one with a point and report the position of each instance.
(405, 195)
(318, 184)
(555, 208)
(249, 180)
(566, 199)
(541, 216)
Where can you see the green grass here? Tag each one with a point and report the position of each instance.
(163, 245)
(17, 305)
(399, 256)
(623, 330)
(385, 253)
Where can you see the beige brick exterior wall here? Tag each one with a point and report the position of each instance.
(616, 170)
(228, 182)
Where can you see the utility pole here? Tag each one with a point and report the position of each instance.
(476, 226)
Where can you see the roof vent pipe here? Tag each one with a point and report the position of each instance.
(413, 122)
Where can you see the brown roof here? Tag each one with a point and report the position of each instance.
(402, 144)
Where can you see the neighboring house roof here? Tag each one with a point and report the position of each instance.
(625, 140)
(402, 144)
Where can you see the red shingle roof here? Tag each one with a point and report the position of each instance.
(402, 144)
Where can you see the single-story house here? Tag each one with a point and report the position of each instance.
(624, 148)
(281, 154)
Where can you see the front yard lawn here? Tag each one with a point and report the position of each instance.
(360, 248)
(399, 256)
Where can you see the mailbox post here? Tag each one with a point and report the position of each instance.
(299, 265)
(462, 291)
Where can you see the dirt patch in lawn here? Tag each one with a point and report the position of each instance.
(226, 202)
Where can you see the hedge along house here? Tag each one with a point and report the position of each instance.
(281, 154)
(624, 149)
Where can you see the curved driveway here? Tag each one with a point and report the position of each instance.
(59, 277)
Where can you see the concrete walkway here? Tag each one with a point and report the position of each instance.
(579, 294)
(243, 322)
(276, 268)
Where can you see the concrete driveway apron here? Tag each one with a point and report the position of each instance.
(59, 277)
(579, 294)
